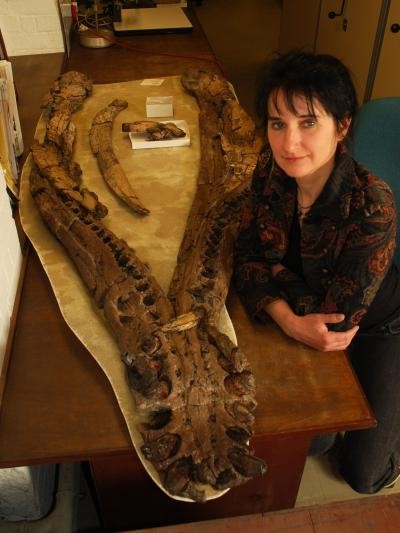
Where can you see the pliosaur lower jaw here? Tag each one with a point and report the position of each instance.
(193, 390)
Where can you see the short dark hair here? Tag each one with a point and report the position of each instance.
(315, 76)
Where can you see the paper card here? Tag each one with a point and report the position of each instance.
(152, 81)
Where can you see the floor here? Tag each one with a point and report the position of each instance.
(74, 508)
(379, 515)
(325, 503)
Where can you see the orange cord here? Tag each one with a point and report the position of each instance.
(165, 54)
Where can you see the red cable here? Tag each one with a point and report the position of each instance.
(166, 54)
(74, 11)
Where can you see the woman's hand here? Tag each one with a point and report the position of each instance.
(311, 329)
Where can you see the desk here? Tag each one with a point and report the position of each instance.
(59, 407)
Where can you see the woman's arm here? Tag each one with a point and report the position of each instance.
(252, 275)
(311, 329)
(365, 259)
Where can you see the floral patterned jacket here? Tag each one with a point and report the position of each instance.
(347, 242)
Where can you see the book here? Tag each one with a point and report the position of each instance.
(11, 142)
(6, 73)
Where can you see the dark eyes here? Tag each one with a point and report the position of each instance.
(276, 125)
(309, 122)
(279, 125)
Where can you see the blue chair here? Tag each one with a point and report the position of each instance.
(376, 145)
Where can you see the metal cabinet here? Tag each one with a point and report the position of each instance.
(387, 76)
(364, 34)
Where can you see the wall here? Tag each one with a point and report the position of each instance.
(10, 265)
(28, 27)
(299, 24)
(31, 27)
(242, 34)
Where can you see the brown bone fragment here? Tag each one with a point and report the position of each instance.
(68, 92)
(100, 136)
(193, 388)
(156, 130)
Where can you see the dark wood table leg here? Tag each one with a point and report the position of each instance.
(129, 499)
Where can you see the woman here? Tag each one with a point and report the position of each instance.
(315, 249)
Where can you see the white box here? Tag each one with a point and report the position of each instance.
(159, 106)
(140, 140)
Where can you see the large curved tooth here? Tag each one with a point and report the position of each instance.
(100, 137)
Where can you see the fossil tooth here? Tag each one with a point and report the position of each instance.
(143, 375)
(226, 479)
(162, 448)
(239, 435)
(151, 344)
(205, 473)
(246, 465)
(158, 419)
(241, 411)
(177, 475)
(240, 383)
(232, 360)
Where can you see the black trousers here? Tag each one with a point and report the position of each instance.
(369, 459)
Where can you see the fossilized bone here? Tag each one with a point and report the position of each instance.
(156, 130)
(229, 150)
(194, 391)
(63, 176)
(101, 143)
(64, 98)
(53, 157)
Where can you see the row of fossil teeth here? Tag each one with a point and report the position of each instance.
(205, 277)
(147, 371)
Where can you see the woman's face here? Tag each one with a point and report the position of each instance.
(303, 145)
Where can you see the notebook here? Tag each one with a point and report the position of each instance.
(160, 19)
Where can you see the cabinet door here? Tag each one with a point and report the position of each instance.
(299, 23)
(387, 79)
(350, 36)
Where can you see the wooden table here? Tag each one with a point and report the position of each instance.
(58, 405)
